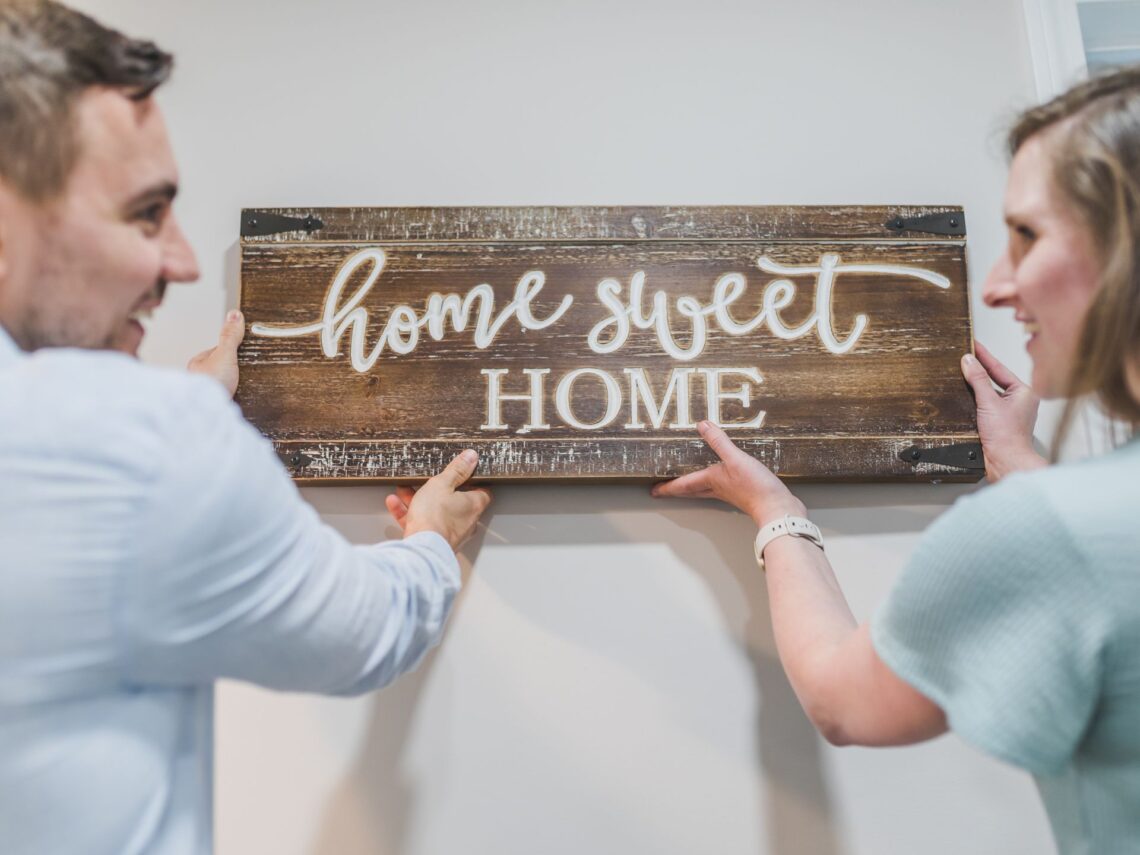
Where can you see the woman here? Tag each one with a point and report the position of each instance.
(1017, 621)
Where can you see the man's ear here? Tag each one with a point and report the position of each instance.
(8, 200)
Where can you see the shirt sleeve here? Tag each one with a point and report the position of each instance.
(998, 619)
(236, 576)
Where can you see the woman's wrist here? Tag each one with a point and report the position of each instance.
(1024, 460)
(777, 508)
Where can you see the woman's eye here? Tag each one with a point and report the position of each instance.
(1026, 233)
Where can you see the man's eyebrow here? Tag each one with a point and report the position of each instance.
(1015, 217)
(164, 192)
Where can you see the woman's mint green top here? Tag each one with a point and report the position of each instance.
(1019, 615)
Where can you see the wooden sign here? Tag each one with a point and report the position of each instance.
(585, 343)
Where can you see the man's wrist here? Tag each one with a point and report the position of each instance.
(419, 528)
(412, 530)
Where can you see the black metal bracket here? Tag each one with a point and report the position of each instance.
(950, 223)
(261, 223)
(961, 455)
(294, 458)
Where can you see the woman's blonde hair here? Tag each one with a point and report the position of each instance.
(1095, 145)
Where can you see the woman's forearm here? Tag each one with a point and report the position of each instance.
(811, 621)
(847, 691)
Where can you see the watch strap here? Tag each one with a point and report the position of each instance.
(786, 525)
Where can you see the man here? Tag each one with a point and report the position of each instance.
(150, 543)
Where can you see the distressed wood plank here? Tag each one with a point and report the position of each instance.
(597, 223)
(826, 414)
(832, 459)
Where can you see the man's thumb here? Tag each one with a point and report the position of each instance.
(461, 468)
(233, 331)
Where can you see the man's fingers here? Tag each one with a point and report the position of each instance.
(997, 370)
(979, 380)
(717, 440)
(480, 496)
(233, 331)
(396, 508)
(691, 485)
(461, 468)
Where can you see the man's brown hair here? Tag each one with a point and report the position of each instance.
(49, 54)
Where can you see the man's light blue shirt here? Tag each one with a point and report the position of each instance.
(151, 543)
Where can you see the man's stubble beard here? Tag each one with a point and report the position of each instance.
(59, 315)
(41, 328)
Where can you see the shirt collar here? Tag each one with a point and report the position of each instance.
(9, 352)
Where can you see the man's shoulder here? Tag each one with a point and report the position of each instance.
(78, 402)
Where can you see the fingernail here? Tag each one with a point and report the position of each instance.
(969, 359)
(703, 425)
(234, 315)
(470, 457)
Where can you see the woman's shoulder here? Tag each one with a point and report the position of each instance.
(1091, 499)
(1080, 512)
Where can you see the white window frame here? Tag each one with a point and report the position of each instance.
(1054, 31)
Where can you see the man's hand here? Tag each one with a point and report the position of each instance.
(221, 362)
(739, 479)
(1006, 415)
(440, 505)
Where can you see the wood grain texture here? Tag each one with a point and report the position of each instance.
(827, 416)
(552, 223)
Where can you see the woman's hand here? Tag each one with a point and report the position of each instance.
(739, 479)
(1006, 415)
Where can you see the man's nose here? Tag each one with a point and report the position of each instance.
(180, 264)
(999, 289)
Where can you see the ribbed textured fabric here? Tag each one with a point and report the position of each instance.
(1019, 615)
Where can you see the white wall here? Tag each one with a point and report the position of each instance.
(609, 682)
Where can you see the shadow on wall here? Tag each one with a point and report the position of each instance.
(371, 809)
(797, 804)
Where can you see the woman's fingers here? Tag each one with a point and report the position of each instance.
(694, 485)
(979, 380)
(997, 370)
(718, 440)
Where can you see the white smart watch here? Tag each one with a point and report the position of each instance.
(793, 526)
